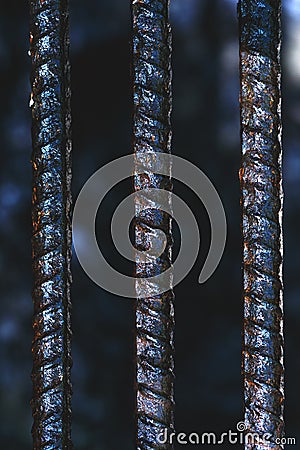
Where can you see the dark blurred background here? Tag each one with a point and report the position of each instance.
(206, 131)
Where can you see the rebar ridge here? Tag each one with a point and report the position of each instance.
(152, 133)
(51, 242)
(261, 184)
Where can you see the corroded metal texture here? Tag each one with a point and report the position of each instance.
(261, 178)
(51, 242)
(152, 132)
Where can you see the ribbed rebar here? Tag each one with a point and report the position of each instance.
(261, 183)
(51, 243)
(152, 133)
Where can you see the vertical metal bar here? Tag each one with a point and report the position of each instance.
(51, 242)
(261, 183)
(152, 133)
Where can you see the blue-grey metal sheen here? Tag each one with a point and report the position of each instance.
(152, 133)
(51, 242)
(261, 183)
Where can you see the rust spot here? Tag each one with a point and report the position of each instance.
(241, 173)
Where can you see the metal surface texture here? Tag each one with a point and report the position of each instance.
(261, 184)
(152, 132)
(51, 242)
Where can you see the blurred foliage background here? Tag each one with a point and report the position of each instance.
(206, 131)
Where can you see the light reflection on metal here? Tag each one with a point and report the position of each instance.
(152, 132)
(261, 178)
(51, 242)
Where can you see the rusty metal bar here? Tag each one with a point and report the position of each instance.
(261, 183)
(51, 242)
(152, 132)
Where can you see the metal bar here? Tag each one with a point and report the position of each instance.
(152, 133)
(261, 184)
(51, 242)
